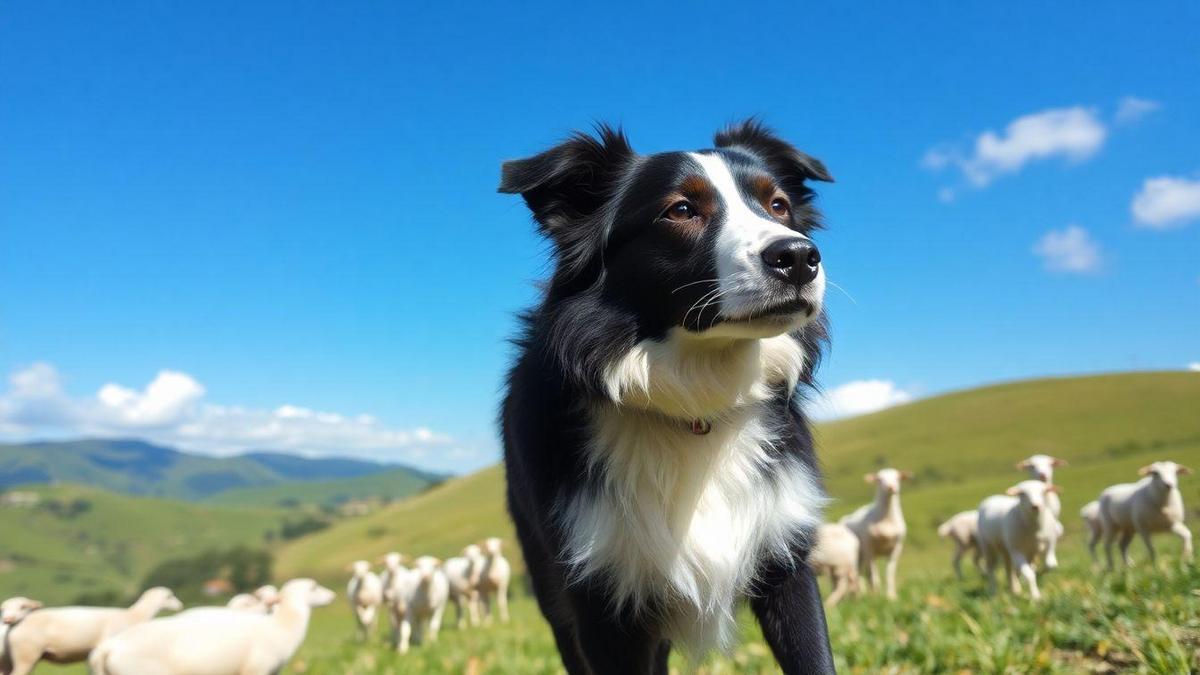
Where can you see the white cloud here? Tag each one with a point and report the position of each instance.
(1194, 366)
(857, 398)
(170, 409)
(1165, 202)
(1131, 109)
(1070, 250)
(1074, 133)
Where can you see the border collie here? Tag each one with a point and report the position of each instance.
(659, 466)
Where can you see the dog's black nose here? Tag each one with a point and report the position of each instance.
(793, 260)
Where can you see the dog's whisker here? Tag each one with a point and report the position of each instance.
(702, 281)
(844, 291)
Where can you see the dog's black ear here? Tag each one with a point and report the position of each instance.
(753, 136)
(571, 180)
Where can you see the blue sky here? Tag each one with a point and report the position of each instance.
(228, 226)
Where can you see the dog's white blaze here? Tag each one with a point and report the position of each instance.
(741, 240)
(680, 519)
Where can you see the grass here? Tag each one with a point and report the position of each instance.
(386, 485)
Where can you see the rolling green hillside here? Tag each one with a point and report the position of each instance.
(139, 468)
(79, 540)
(962, 447)
(389, 485)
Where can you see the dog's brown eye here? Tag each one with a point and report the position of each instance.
(681, 211)
(780, 207)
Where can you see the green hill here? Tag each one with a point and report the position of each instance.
(138, 468)
(388, 485)
(962, 446)
(78, 540)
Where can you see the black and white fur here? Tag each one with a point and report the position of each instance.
(659, 467)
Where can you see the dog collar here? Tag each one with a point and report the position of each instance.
(701, 427)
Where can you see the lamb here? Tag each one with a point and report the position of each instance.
(880, 527)
(836, 552)
(463, 574)
(962, 529)
(69, 634)
(1095, 526)
(12, 611)
(1153, 504)
(427, 591)
(1041, 467)
(1010, 527)
(217, 642)
(494, 577)
(395, 581)
(365, 592)
(262, 600)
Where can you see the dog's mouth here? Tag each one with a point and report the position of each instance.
(780, 312)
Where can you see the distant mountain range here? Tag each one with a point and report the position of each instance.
(139, 468)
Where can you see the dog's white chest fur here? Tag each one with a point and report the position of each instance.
(681, 521)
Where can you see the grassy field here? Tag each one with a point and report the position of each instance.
(110, 544)
(388, 485)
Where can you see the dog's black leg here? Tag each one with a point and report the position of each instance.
(613, 643)
(788, 605)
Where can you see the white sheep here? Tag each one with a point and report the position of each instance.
(962, 529)
(880, 527)
(1094, 524)
(395, 580)
(12, 611)
(218, 641)
(262, 600)
(1010, 528)
(494, 577)
(69, 634)
(427, 591)
(1153, 504)
(365, 593)
(1041, 467)
(463, 574)
(836, 552)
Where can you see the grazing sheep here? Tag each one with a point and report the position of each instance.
(1095, 525)
(880, 527)
(365, 592)
(261, 600)
(69, 634)
(463, 574)
(428, 590)
(494, 576)
(836, 552)
(12, 611)
(1010, 527)
(216, 642)
(962, 529)
(1041, 467)
(1153, 504)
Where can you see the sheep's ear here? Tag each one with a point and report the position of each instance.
(1013, 491)
(1182, 470)
(568, 181)
(1145, 470)
(1058, 462)
(1053, 488)
(783, 159)
(1023, 464)
(34, 604)
(870, 477)
(906, 475)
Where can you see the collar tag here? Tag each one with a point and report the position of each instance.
(701, 427)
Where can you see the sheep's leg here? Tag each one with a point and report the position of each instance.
(1126, 537)
(841, 584)
(976, 557)
(892, 563)
(502, 601)
(435, 624)
(1110, 533)
(473, 607)
(1026, 570)
(485, 601)
(989, 558)
(1010, 573)
(405, 636)
(959, 549)
(1149, 547)
(460, 613)
(1092, 541)
(1186, 535)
